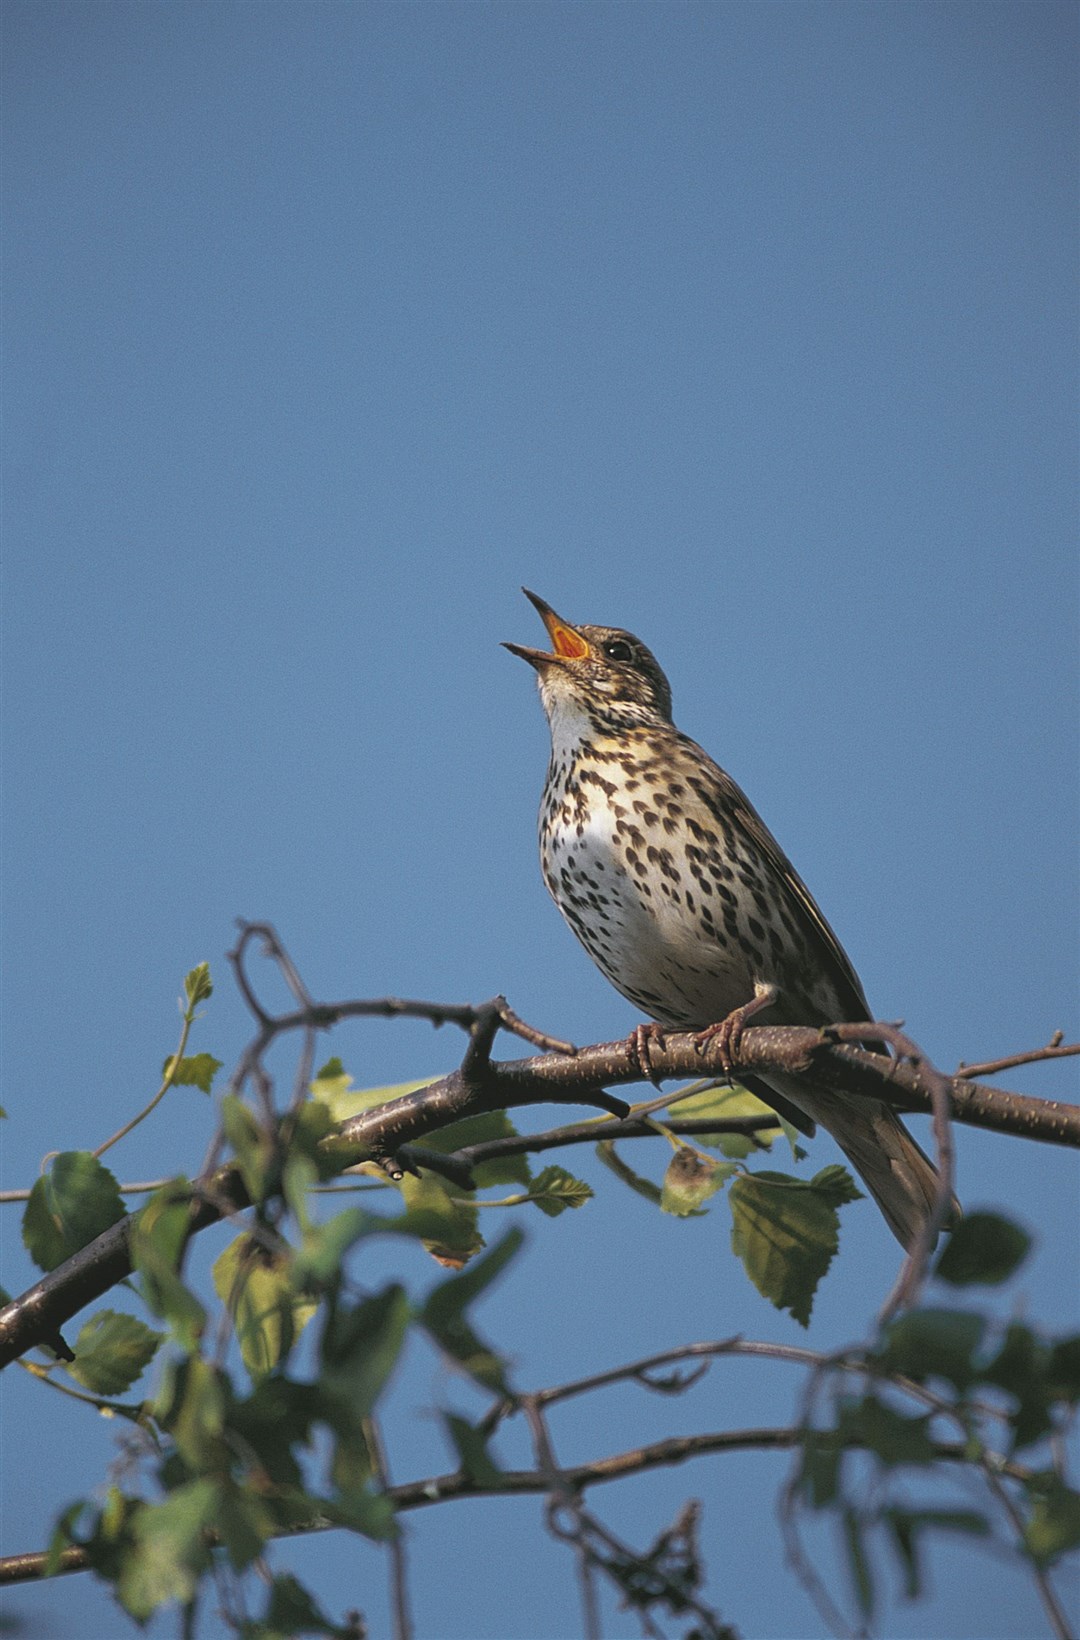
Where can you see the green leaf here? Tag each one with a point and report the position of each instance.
(836, 1185)
(198, 1071)
(273, 1420)
(444, 1309)
(967, 1521)
(255, 1285)
(69, 1206)
(858, 1563)
(1020, 1368)
(905, 1544)
(984, 1250)
(1054, 1526)
(786, 1231)
(158, 1238)
(457, 1236)
(689, 1180)
(819, 1467)
(934, 1343)
(610, 1157)
(333, 1088)
(905, 1527)
(554, 1190)
(170, 1549)
(192, 1405)
(197, 985)
(291, 1610)
(254, 1148)
(359, 1349)
(894, 1437)
(243, 1523)
(363, 1511)
(112, 1351)
(1063, 1370)
(471, 1447)
(482, 1130)
(65, 1533)
(726, 1103)
(319, 1259)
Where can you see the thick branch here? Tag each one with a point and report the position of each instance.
(794, 1049)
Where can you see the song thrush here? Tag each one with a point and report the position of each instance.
(683, 898)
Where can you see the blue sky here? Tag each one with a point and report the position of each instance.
(750, 327)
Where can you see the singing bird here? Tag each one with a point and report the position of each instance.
(683, 898)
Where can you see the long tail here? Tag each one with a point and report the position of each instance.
(900, 1177)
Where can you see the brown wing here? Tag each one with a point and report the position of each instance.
(801, 903)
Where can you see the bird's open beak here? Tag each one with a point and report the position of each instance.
(567, 644)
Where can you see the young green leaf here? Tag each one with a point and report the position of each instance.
(196, 1071)
(905, 1544)
(554, 1190)
(112, 1351)
(69, 1206)
(835, 1184)
(198, 986)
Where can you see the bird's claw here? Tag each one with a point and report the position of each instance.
(727, 1033)
(638, 1046)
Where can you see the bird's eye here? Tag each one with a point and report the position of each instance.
(616, 650)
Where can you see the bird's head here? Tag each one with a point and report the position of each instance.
(600, 671)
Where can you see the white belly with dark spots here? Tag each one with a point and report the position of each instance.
(637, 927)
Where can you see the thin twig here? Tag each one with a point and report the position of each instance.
(1053, 1050)
(563, 1496)
(399, 1582)
(447, 1488)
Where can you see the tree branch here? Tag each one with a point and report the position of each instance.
(421, 1494)
(555, 1078)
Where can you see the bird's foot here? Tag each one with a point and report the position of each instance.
(639, 1046)
(727, 1033)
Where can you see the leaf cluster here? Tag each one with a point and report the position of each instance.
(937, 1372)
